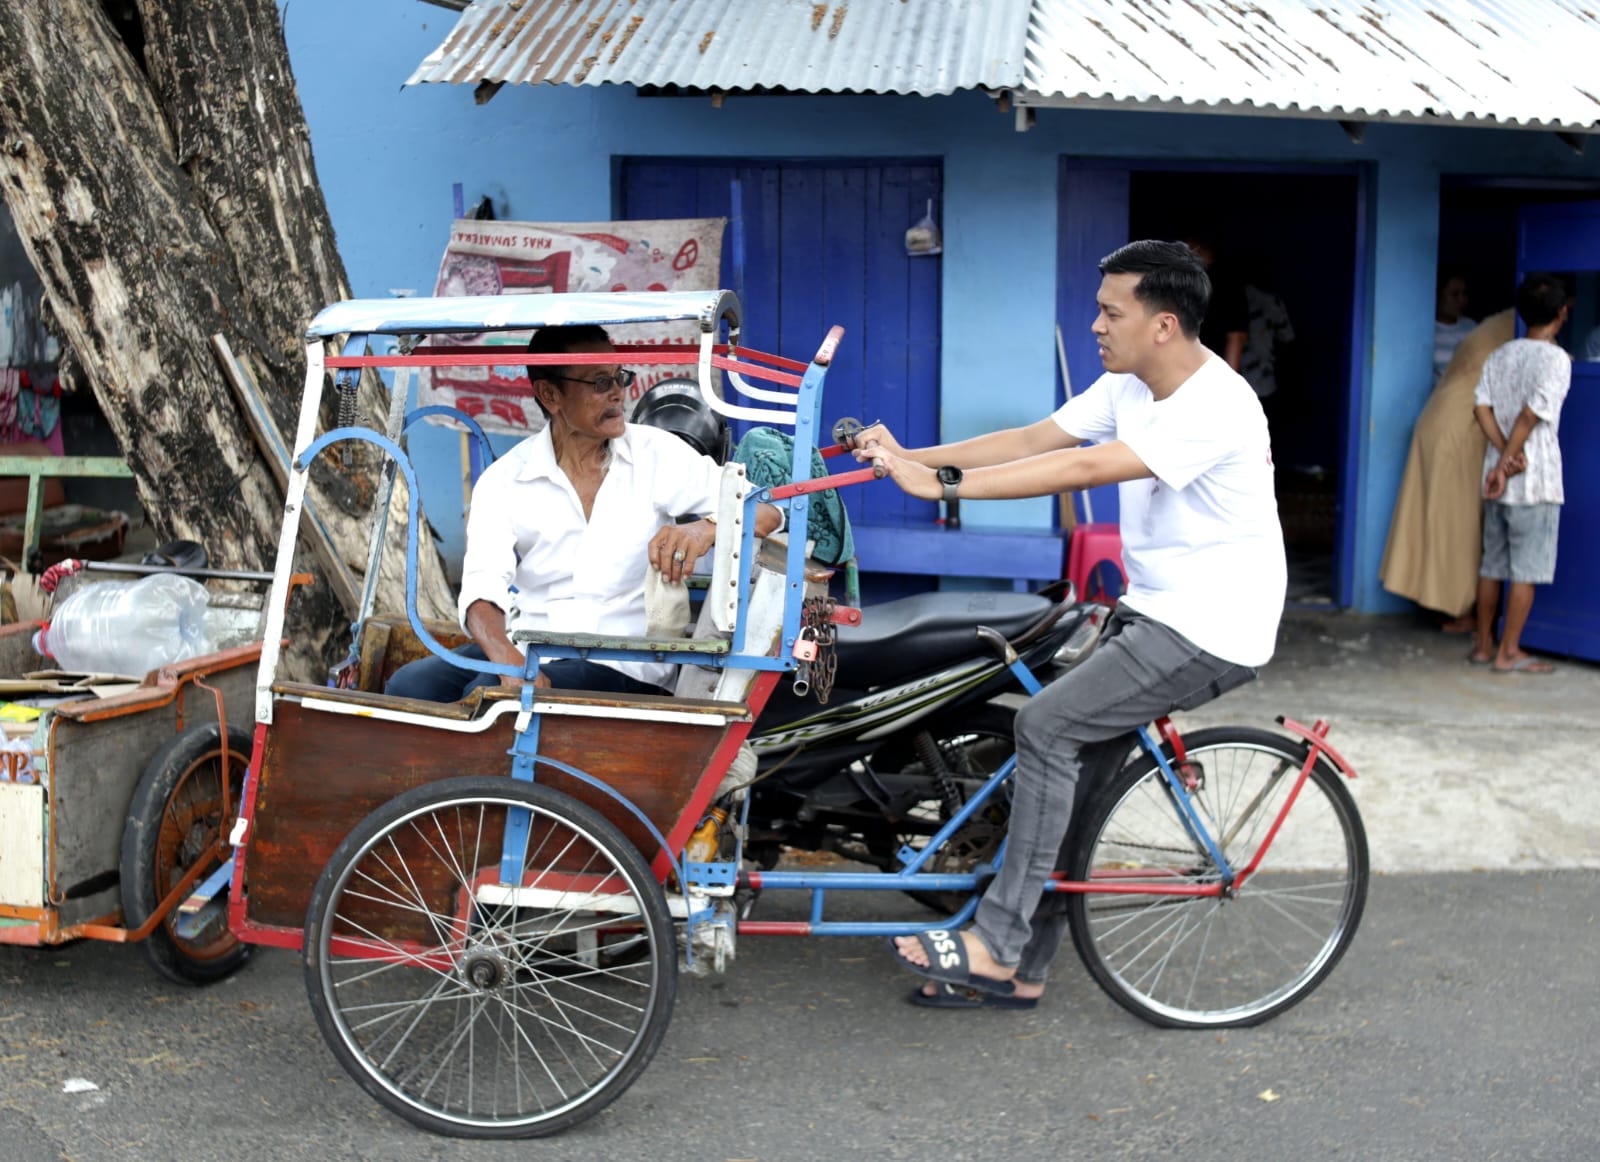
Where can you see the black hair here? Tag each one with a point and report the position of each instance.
(1540, 299)
(1171, 278)
(559, 341)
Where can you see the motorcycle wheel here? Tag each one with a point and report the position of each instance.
(974, 746)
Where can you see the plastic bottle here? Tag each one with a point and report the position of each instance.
(127, 627)
(704, 844)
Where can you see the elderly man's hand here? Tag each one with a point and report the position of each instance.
(675, 548)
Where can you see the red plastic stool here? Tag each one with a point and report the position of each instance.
(1094, 563)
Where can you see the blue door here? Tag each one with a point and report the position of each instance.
(1564, 238)
(814, 244)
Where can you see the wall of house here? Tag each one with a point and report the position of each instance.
(388, 157)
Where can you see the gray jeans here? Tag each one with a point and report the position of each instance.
(1140, 670)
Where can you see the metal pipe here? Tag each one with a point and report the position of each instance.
(229, 574)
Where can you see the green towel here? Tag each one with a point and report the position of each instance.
(767, 455)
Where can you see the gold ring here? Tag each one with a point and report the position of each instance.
(679, 555)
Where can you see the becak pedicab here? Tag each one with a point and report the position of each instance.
(493, 897)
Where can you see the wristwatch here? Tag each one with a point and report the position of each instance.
(951, 479)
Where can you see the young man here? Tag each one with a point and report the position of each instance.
(1519, 401)
(1185, 438)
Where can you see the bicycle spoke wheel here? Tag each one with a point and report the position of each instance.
(1206, 961)
(481, 1009)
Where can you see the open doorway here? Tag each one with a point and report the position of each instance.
(1290, 238)
(1478, 232)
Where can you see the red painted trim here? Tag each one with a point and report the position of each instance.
(271, 935)
(1283, 813)
(773, 928)
(721, 759)
(1173, 739)
(238, 921)
(825, 483)
(829, 345)
(1100, 887)
(27, 935)
(1317, 736)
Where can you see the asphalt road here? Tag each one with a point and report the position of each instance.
(1462, 1025)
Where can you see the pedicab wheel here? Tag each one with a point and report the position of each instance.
(1203, 961)
(480, 1010)
(174, 819)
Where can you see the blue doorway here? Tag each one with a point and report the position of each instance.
(1564, 239)
(1296, 234)
(811, 244)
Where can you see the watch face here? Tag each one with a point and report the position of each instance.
(949, 475)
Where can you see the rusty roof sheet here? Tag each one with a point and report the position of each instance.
(1524, 63)
(923, 47)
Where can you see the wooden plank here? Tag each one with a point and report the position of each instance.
(22, 845)
(277, 453)
(322, 774)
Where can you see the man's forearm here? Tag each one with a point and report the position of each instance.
(1233, 350)
(1520, 431)
(486, 622)
(995, 447)
(1063, 470)
(1491, 428)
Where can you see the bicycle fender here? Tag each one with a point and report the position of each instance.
(1317, 736)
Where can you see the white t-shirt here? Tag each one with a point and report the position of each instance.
(1201, 541)
(1537, 374)
(526, 530)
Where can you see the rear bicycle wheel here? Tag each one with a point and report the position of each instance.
(477, 1009)
(1237, 960)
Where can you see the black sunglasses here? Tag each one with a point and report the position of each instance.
(603, 385)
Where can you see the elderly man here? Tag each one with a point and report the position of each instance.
(563, 527)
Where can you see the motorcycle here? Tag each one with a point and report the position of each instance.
(920, 716)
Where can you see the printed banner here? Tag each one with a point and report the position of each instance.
(529, 258)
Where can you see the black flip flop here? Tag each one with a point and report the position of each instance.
(948, 996)
(947, 963)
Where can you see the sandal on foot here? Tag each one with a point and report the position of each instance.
(948, 996)
(1527, 664)
(1475, 660)
(947, 963)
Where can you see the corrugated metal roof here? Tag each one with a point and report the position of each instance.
(1527, 63)
(924, 47)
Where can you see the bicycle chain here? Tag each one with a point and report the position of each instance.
(816, 615)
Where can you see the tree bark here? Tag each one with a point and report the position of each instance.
(160, 175)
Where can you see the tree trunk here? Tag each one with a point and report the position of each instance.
(159, 170)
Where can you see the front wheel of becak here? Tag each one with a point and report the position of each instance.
(484, 1005)
(1210, 961)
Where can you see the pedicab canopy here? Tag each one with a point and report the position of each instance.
(474, 313)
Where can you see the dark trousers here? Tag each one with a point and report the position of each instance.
(434, 679)
(1140, 670)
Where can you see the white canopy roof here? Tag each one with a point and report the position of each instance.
(473, 313)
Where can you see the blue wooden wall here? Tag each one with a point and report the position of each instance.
(816, 244)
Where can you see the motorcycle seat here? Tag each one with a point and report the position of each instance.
(914, 635)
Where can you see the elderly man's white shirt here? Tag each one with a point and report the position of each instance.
(531, 552)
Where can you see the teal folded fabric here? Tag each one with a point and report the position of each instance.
(767, 454)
